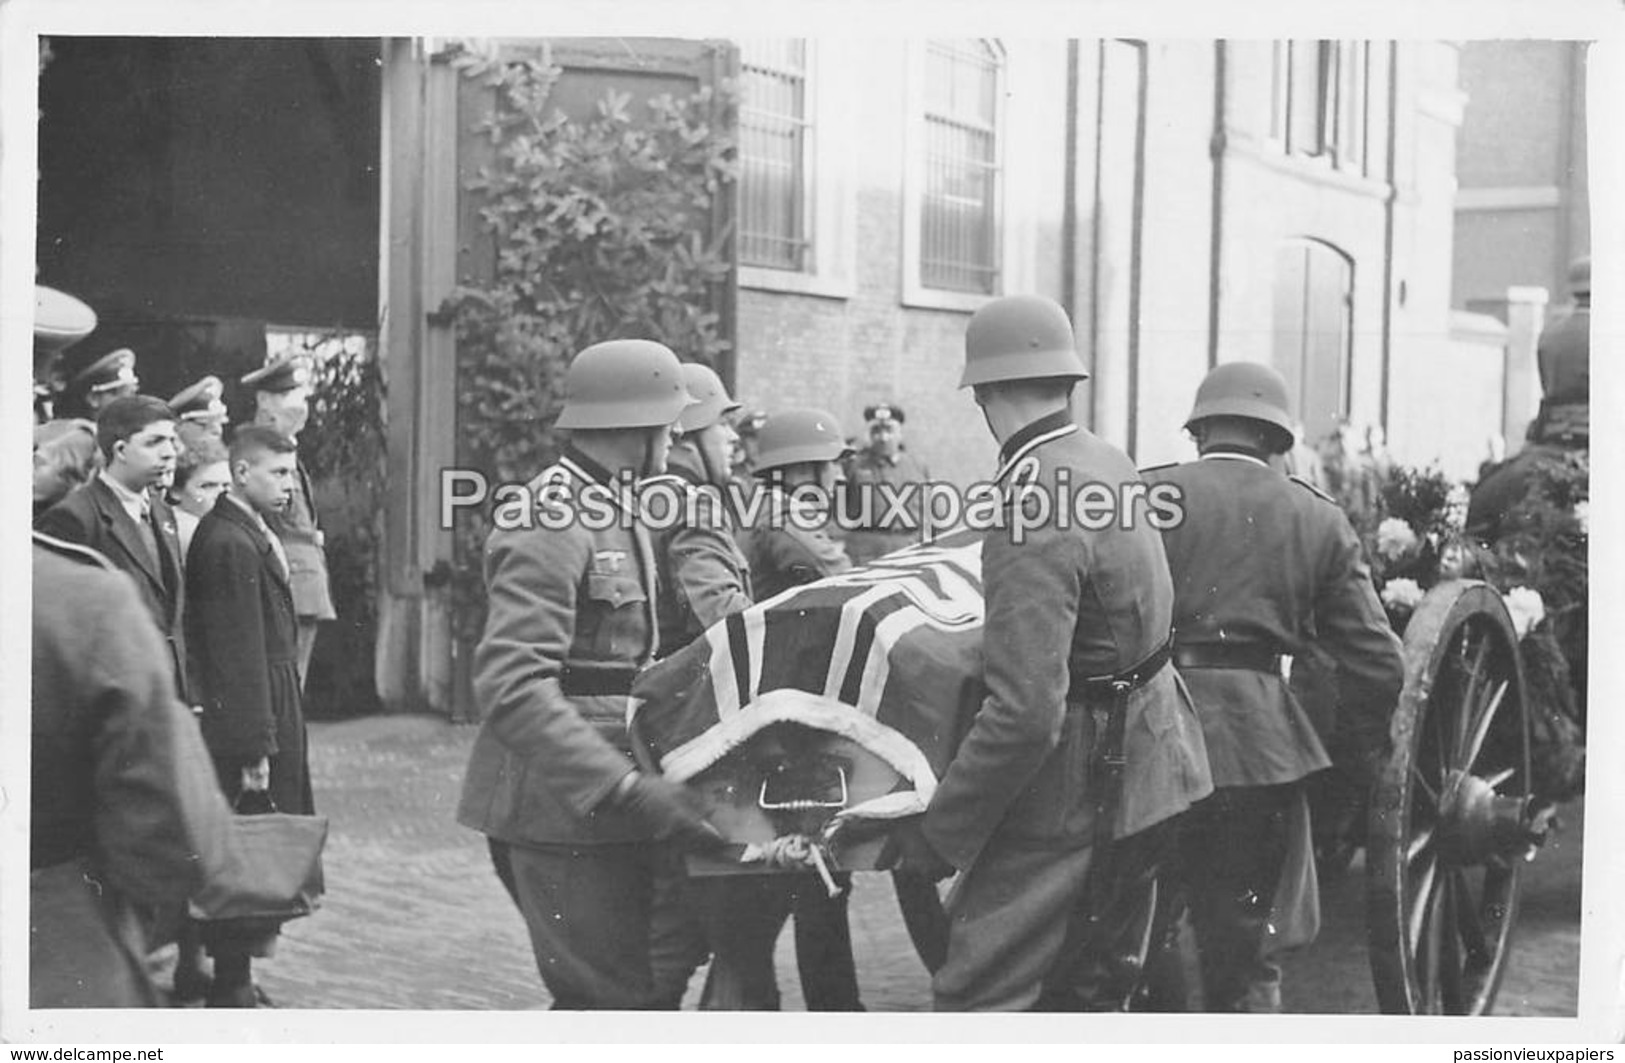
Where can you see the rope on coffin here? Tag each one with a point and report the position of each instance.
(793, 850)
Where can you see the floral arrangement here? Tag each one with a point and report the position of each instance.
(1413, 525)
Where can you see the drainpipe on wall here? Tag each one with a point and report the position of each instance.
(1217, 147)
(1069, 220)
(1390, 207)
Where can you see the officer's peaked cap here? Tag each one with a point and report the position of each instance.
(115, 369)
(201, 400)
(60, 320)
(281, 375)
(884, 411)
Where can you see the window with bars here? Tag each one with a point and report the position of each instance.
(959, 201)
(775, 129)
(1320, 101)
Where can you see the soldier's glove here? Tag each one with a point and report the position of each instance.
(908, 851)
(671, 811)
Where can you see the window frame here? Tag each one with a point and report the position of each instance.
(803, 184)
(915, 292)
(1341, 105)
(829, 204)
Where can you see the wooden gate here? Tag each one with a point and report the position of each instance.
(434, 241)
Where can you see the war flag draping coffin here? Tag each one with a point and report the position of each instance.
(878, 670)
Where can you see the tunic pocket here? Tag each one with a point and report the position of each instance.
(617, 629)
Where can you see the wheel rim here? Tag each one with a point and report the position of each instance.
(1447, 838)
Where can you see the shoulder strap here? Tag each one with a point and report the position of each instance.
(1301, 482)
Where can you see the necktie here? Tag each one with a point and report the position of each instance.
(148, 537)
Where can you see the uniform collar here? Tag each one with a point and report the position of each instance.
(588, 471)
(1051, 426)
(1236, 452)
(585, 468)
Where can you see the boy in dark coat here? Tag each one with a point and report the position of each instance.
(245, 637)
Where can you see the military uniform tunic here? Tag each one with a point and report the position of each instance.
(704, 575)
(571, 617)
(1265, 566)
(1015, 810)
(865, 473)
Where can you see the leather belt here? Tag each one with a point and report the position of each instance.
(1252, 657)
(595, 682)
(1121, 682)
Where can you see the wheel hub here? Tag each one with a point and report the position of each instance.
(1476, 824)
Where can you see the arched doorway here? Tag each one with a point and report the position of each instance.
(1314, 311)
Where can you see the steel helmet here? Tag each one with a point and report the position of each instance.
(1246, 389)
(624, 384)
(795, 436)
(1020, 337)
(711, 401)
(1580, 275)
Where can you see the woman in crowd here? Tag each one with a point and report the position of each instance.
(202, 471)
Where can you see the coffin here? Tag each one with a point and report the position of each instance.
(828, 712)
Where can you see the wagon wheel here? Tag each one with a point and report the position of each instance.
(1451, 815)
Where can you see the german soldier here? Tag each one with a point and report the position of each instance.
(786, 547)
(201, 405)
(1264, 566)
(282, 401)
(1086, 744)
(60, 321)
(109, 377)
(883, 461)
(584, 835)
(704, 576)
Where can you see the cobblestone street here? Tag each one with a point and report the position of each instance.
(415, 918)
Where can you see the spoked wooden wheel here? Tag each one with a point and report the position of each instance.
(1450, 817)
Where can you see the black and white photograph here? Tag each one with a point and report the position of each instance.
(997, 512)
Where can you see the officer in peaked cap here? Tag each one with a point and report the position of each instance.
(1057, 804)
(883, 460)
(279, 376)
(110, 377)
(748, 427)
(585, 842)
(282, 401)
(1264, 566)
(60, 321)
(201, 404)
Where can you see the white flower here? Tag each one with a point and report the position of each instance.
(1527, 608)
(1401, 594)
(1395, 539)
(1582, 514)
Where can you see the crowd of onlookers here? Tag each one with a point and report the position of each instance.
(216, 535)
